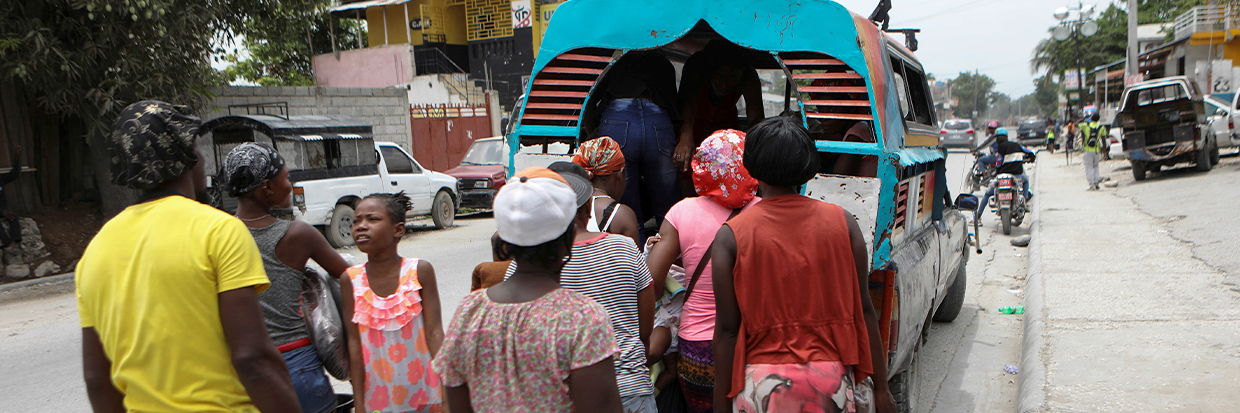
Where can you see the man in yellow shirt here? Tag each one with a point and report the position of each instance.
(168, 289)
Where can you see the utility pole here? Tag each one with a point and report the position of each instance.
(1130, 68)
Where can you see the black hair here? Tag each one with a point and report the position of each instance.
(397, 204)
(780, 152)
(547, 254)
(1095, 116)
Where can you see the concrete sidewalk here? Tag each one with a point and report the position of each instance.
(1120, 316)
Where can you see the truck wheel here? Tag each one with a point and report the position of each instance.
(340, 228)
(1005, 215)
(1138, 171)
(1203, 160)
(904, 385)
(950, 308)
(1214, 155)
(444, 210)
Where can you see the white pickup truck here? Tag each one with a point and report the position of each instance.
(333, 163)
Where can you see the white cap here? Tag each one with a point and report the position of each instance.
(534, 208)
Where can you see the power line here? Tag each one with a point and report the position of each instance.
(948, 11)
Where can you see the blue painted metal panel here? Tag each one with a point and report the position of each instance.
(918, 155)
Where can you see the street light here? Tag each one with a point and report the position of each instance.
(1082, 26)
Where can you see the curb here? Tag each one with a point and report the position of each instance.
(1031, 384)
(51, 279)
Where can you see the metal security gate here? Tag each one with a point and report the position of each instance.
(442, 134)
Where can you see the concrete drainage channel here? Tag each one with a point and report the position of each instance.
(1030, 396)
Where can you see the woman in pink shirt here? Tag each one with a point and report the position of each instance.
(724, 188)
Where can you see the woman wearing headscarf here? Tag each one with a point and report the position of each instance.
(725, 189)
(603, 160)
(791, 290)
(257, 176)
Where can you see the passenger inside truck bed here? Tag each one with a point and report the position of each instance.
(711, 83)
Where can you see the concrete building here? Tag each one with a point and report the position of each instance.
(441, 51)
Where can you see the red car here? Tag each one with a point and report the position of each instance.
(481, 173)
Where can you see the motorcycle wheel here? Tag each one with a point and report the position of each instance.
(970, 185)
(1005, 215)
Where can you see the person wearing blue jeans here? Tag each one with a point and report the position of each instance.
(314, 391)
(1010, 159)
(647, 138)
(990, 192)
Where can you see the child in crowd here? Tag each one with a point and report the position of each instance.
(527, 344)
(392, 315)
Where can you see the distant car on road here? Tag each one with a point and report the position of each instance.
(1032, 132)
(482, 173)
(957, 133)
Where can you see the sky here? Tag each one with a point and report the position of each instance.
(995, 37)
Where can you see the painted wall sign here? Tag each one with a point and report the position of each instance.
(522, 14)
(419, 24)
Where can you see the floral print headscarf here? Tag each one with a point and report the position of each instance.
(152, 142)
(718, 171)
(600, 156)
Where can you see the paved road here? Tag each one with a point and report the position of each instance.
(962, 368)
(962, 361)
(40, 340)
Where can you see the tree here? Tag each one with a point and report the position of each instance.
(1108, 45)
(282, 41)
(972, 92)
(85, 60)
(1046, 95)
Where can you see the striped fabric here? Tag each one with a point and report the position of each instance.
(609, 270)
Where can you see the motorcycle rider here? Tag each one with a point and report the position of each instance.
(1011, 160)
(991, 130)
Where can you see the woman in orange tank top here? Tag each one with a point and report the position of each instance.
(792, 351)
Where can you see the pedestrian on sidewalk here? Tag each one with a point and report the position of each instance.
(527, 344)
(14, 235)
(608, 268)
(603, 161)
(257, 176)
(392, 314)
(168, 289)
(817, 346)
(724, 188)
(1092, 136)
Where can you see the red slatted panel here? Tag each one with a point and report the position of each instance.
(844, 116)
(558, 94)
(572, 70)
(560, 106)
(563, 82)
(813, 62)
(585, 58)
(547, 116)
(847, 76)
(901, 204)
(833, 89)
(854, 103)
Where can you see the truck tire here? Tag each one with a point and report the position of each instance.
(954, 300)
(443, 211)
(1138, 171)
(1203, 160)
(1005, 215)
(339, 230)
(904, 385)
(1214, 157)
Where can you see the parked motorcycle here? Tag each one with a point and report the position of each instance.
(1010, 201)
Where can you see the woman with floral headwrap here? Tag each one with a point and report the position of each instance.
(256, 175)
(604, 162)
(725, 189)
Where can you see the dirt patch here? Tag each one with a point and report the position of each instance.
(67, 230)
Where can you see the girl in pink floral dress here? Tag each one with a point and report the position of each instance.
(393, 315)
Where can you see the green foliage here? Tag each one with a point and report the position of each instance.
(87, 59)
(1046, 95)
(973, 92)
(1163, 11)
(280, 43)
